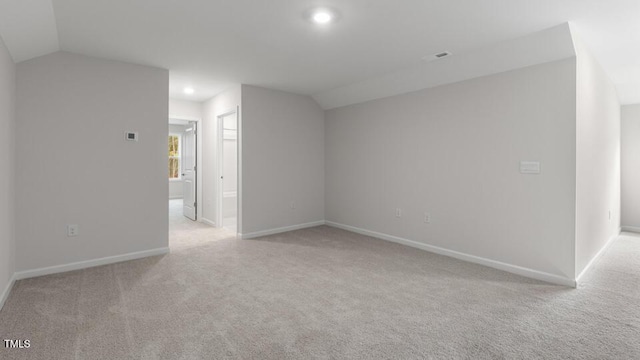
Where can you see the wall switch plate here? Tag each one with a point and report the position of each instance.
(73, 230)
(529, 167)
(398, 212)
(427, 218)
(292, 205)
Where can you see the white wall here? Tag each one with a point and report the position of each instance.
(454, 152)
(282, 159)
(176, 187)
(7, 164)
(185, 110)
(75, 167)
(630, 154)
(598, 159)
(222, 103)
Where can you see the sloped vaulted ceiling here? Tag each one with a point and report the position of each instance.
(543, 46)
(210, 44)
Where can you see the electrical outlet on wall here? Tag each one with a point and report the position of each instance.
(427, 218)
(73, 230)
(398, 212)
(292, 205)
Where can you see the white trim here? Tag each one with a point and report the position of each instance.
(7, 290)
(207, 221)
(182, 118)
(89, 263)
(597, 256)
(633, 229)
(239, 197)
(518, 270)
(281, 230)
(199, 168)
(177, 197)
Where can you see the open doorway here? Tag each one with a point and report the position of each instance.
(183, 170)
(193, 176)
(186, 228)
(228, 171)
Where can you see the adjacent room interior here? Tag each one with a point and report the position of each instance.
(183, 179)
(305, 179)
(227, 157)
(193, 173)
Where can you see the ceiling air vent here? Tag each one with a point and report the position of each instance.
(437, 56)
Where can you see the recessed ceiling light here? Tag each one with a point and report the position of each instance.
(189, 91)
(322, 16)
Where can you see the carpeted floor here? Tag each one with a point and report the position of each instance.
(321, 293)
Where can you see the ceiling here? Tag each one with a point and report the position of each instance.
(544, 46)
(210, 44)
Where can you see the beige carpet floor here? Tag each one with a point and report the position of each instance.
(321, 293)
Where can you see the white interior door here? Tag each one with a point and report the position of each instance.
(228, 157)
(189, 171)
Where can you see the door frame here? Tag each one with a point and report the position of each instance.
(199, 202)
(219, 165)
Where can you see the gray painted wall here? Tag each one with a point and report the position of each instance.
(454, 152)
(75, 166)
(282, 159)
(598, 159)
(7, 164)
(359, 161)
(631, 166)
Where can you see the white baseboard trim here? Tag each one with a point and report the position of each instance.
(597, 256)
(518, 270)
(633, 229)
(208, 222)
(175, 197)
(281, 230)
(7, 290)
(89, 263)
